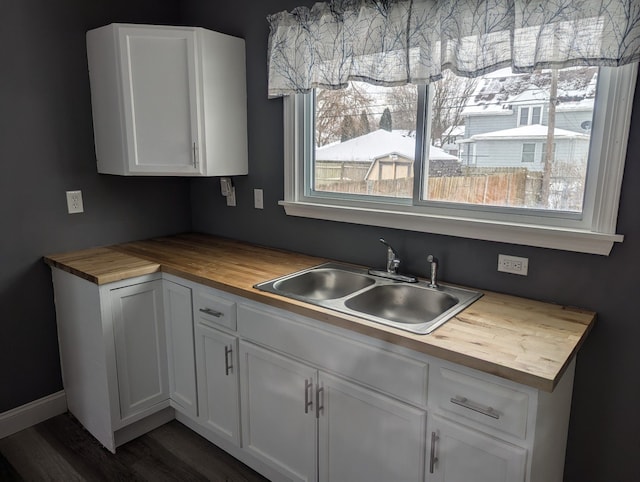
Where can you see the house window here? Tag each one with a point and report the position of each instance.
(495, 190)
(530, 115)
(528, 152)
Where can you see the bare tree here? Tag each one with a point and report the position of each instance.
(333, 107)
(403, 102)
(448, 100)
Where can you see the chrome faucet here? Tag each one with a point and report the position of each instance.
(392, 267)
(433, 261)
(392, 258)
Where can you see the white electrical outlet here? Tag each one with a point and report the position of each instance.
(258, 200)
(513, 264)
(74, 202)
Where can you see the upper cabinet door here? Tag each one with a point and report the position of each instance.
(168, 101)
(160, 97)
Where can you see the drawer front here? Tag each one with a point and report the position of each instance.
(212, 310)
(402, 377)
(481, 400)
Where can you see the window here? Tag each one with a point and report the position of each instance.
(531, 115)
(528, 152)
(397, 166)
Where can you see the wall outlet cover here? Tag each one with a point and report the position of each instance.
(513, 264)
(74, 202)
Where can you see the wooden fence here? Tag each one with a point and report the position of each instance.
(514, 187)
(508, 188)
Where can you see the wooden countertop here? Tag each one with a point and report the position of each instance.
(526, 341)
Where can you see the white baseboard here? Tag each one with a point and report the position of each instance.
(32, 413)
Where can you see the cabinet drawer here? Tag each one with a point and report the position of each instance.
(210, 309)
(481, 400)
(400, 376)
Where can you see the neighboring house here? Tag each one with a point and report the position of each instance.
(506, 119)
(378, 155)
(524, 146)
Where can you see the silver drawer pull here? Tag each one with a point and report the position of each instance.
(209, 311)
(433, 459)
(228, 360)
(488, 411)
(308, 402)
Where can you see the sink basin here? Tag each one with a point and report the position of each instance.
(402, 303)
(413, 307)
(323, 284)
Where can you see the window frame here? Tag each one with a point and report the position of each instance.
(529, 110)
(528, 153)
(594, 232)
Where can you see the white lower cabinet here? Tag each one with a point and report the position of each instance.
(367, 436)
(311, 425)
(459, 454)
(294, 398)
(278, 411)
(178, 311)
(216, 366)
(140, 343)
(113, 354)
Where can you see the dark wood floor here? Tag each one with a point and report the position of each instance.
(59, 449)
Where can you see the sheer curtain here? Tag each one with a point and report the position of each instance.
(394, 42)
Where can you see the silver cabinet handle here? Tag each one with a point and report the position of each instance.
(464, 402)
(195, 156)
(308, 386)
(432, 458)
(319, 399)
(228, 360)
(209, 311)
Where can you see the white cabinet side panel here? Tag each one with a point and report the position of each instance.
(106, 102)
(82, 354)
(225, 103)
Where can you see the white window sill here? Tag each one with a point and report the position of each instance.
(576, 240)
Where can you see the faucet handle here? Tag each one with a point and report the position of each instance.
(392, 258)
(433, 271)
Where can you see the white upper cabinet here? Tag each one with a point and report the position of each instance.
(168, 101)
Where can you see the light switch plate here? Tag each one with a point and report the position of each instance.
(258, 199)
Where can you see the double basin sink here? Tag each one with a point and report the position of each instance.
(413, 307)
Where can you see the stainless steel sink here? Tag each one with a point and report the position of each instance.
(402, 303)
(413, 307)
(323, 284)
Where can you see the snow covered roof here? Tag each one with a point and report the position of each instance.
(499, 92)
(536, 131)
(375, 145)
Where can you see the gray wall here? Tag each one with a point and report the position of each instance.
(603, 438)
(46, 148)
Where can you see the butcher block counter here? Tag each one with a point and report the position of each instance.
(522, 340)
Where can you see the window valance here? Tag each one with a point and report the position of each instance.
(394, 42)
